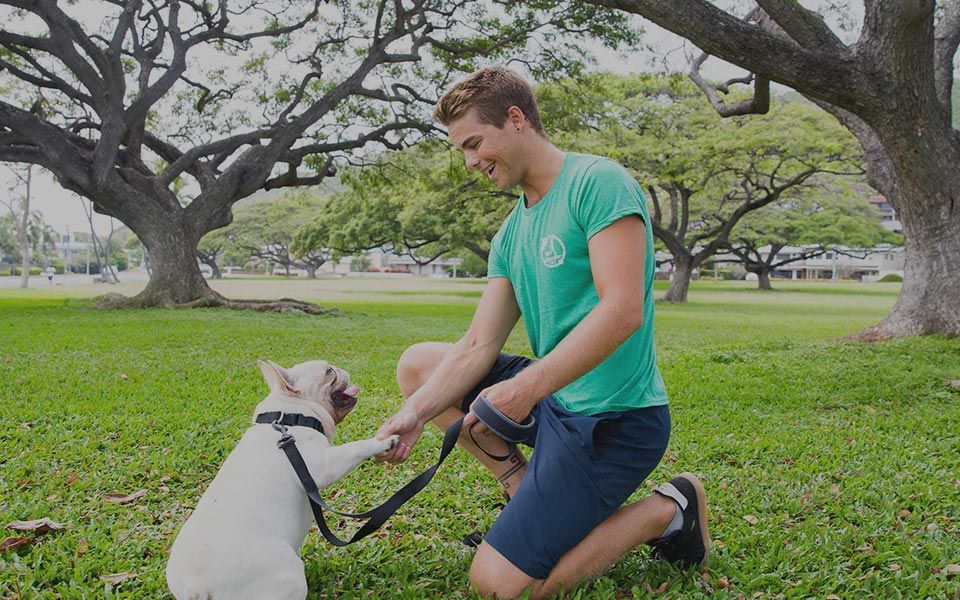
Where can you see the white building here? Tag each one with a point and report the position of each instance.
(869, 264)
(379, 261)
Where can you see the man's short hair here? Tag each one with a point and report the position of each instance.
(491, 92)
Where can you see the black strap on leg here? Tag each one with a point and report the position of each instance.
(376, 516)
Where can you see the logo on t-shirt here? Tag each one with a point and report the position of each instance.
(552, 251)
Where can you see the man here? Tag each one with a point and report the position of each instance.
(575, 259)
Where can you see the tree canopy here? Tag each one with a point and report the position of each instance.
(165, 115)
(892, 87)
(421, 202)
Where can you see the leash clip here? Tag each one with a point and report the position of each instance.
(285, 437)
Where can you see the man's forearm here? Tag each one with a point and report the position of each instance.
(459, 371)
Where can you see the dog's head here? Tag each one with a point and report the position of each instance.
(313, 381)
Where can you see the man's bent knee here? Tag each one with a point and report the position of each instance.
(493, 576)
(417, 363)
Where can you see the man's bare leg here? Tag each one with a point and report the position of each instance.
(492, 575)
(413, 369)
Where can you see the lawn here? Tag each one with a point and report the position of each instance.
(832, 468)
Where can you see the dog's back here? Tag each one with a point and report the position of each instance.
(231, 530)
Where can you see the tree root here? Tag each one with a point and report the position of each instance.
(283, 305)
(114, 301)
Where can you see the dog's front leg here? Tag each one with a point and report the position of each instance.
(340, 460)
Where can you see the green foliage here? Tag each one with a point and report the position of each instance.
(830, 466)
(830, 212)
(421, 201)
(891, 278)
(266, 228)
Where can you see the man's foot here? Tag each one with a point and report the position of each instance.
(691, 545)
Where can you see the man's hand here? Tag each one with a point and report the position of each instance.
(508, 399)
(408, 426)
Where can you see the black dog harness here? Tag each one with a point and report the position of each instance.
(502, 425)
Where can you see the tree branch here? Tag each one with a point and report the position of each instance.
(759, 104)
(775, 57)
(803, 26)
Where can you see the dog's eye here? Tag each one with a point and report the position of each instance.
(331, 371)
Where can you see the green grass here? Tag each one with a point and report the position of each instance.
(831, 467)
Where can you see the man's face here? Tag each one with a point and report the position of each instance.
(487, 148)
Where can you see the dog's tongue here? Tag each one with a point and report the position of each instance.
(351, 391)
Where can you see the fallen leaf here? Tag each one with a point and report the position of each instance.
(72, 479)
(647, 587)
(904, 514)
(124, 498)
(834, 489)
(116, 578)
(43, 525)
(81, 547)
(23, 482)
(14, 542)
(833, 597)
(752, 519)
(952, 570)
(894, 567)
(722, 582)
(662, 587)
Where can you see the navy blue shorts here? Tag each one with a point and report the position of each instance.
(582, 469)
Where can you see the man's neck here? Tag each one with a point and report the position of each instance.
(542, 173)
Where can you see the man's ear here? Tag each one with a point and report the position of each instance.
(278, 378)
(515, 117)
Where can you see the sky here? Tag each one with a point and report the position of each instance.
(64, 210)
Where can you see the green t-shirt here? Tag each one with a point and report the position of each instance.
(543, 252)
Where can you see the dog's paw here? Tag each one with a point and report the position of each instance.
(392, 442)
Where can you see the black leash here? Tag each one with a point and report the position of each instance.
(496, 421)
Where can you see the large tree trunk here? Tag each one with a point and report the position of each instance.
(763, 279)
(927, 200)
(917, 168)
(680, 280)
(176, 278)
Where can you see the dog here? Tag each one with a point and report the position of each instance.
(243, 539)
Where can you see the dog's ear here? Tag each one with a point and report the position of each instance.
(278, 378)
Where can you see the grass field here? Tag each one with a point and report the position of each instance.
(832, 468)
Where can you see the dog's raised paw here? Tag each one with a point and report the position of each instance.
(392, 442)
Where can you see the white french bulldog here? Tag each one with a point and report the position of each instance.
(243, 539)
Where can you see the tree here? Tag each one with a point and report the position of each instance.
(829, 218)
(421, 202)
(266, 229)
(702, 174)
(892, 88)
(115, 100)
(20, 211)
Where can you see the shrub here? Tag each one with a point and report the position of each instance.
(891, 277)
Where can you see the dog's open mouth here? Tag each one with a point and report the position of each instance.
(346, 395)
